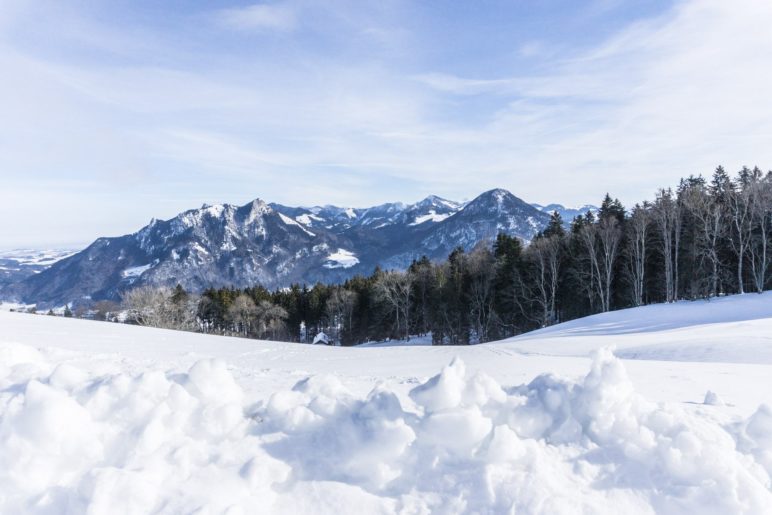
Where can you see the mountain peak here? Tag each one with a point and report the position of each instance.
(497, 193)
(259, 205)
(435, 201)
(497, 196)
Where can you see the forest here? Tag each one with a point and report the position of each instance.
(708, 237)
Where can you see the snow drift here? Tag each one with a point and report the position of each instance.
(72, 441)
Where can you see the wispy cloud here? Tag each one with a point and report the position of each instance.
(281, 17)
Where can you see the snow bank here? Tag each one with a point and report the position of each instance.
(731, 329)
(72, 442)
(666, 316)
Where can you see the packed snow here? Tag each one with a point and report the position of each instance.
(341, 258)
(98, 417)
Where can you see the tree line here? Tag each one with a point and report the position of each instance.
(706, 238)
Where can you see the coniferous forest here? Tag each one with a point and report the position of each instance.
(708, 237)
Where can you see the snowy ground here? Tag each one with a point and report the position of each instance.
(113, 418)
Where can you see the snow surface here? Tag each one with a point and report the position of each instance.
(308, 219)
(136, 271)
(685, 331)
(100, 417)
(289, 221)
(341, 258)
(16, 306)
(431, 216)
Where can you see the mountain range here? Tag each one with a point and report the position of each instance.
(276, 245)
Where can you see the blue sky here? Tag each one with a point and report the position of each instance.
(118, 111)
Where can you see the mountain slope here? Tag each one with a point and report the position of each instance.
(276, 245)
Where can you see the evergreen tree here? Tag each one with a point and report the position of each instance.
(179, 295)
(611, 209)
(555, 226)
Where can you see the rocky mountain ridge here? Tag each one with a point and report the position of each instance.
(276, 245)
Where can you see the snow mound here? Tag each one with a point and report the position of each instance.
(169, 442)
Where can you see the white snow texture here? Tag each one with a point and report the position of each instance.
(74, 442)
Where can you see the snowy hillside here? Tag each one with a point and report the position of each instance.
(684, 331)
(97, 415)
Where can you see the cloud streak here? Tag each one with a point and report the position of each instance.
(280, 17)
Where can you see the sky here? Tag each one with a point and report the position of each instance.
(115, 112)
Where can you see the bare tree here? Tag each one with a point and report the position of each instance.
(741, 228)
(709, 220)
(667, 217)
(269, 319)
(588, 237)
(544, 256)
(242, 314)
(106, 310)
(639, 223)
(481, 267)
(156, 307)
(394, 289)
(601, 241)
(340, 310)
(760, 200)
(610, 236)
(144, 305)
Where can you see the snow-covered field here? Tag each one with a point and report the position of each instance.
(110, 418)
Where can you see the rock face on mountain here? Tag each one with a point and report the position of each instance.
(277, 245)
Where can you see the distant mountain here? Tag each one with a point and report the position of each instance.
(18, 264)
(566, 213)
(276, 245)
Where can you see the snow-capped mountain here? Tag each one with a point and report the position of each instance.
(339, 219)
(276, 245)
(566, 213)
